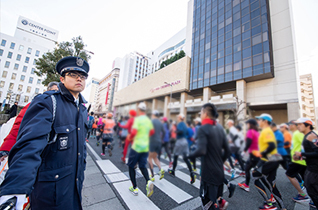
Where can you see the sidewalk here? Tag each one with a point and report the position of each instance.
(97, 194)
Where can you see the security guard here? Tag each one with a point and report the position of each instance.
(48, 160)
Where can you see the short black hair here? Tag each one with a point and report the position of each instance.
(238, 127)
(92, 113)
(188, 123)
(273, 124)
(311, 127)
(211, 110)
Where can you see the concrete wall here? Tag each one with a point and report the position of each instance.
(144, 89)
(283, 88)
(279, 116)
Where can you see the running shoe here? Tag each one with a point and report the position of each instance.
(170, 164)
(233, 173)
(110, 152)
(231, 189)
(193, 177)
(223, 204)
(194, 170)
(311, 203)
(102, 154)
(301, 184)
(149, 188)
(300, 198)
(162, 174)
(272, 199)
(171, 172)
(268, 206)
(87, 140)
(152, 178)
(242, 174)
(133, 191)
(244, 187)
(97, 143)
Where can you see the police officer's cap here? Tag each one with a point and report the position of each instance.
(71, 63)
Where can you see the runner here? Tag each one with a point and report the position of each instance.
(267, 167)
(250, 145)
(107, 135)
(90, 125)
(141, 130)
(166, 140)
(234, 141)
(155, 145)
(212, 146)
(94, 127)
(287, 139)
(99, 131)
(181, 148)
(123, 133)
(128, 126)
(197, 122)
(306, 126)
(280, 145)
(297, 167)
(173, 137)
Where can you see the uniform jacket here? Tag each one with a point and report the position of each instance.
(51, 173)
(13, 111)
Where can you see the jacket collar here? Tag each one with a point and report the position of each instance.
(208, 121)
(66, 93)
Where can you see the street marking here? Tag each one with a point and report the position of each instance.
(93, 151)
(117, 177)
(186, 177)
(107, 166)
(190, 205)
(172, 191)
(133, 202)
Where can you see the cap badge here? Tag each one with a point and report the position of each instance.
(79, 62)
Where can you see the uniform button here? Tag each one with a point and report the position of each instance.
(79, 128)
(67, 130)
(56, 176)
(79, 154)
(77, 179)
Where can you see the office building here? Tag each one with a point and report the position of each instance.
(18, 55)
(307, 100)
(90, 92)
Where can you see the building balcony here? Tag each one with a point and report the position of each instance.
(174, 105)
(193, 103)
(225, 99)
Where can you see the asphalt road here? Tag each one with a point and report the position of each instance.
(240, 201)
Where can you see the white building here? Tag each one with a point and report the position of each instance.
(90, 92)
(307, 100)
(18, 55)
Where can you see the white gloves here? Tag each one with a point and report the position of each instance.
(21, 199)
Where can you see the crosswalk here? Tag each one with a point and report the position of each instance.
(121, 183)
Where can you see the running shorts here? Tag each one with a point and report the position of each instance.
(181, 147)
(135, 157)
(294, 169)
(155, 147)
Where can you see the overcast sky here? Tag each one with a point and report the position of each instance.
(113, 28)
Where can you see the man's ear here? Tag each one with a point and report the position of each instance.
(62, 79)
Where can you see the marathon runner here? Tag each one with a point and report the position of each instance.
(107, 135)
(212, 147)
(141, 130)
(266, 169)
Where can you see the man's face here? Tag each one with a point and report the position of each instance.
(104, 115)
(74, 81)
(292, 127)
(54, 87)
(282, 129)
(15, 103)
(261, 123)
(301, 127)
(203, 115)
(274, 128)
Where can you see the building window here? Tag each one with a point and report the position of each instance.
(31, 80)
(25, 68)
(16, 66)
(3, 42)
(11, 86)
(27, 59)
(7, 64)
(9, 55)
(37, 90)
(12, 45)
(21, 47)
(34, 62)
(26, 99)
(18, 57)
(20, 88)
(17, 98)
(14, 75)
(1, 52)
(32, 70)
(2, 84)
(37, 53)
(29, 50)
(22, 78)
(28, 89)
(39, 82)
(4, 74)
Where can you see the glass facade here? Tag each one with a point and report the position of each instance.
(230, 41)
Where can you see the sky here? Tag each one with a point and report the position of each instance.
(113, 28)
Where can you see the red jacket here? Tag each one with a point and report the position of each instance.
(11, 138)
(128, 125)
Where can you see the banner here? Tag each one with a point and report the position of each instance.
(107, 92)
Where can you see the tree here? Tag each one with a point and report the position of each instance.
(46, 64)
(241, 107)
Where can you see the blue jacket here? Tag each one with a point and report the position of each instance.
(51, 173)
(182, 130)
(166, 137)
(189, 136)
(280, 143)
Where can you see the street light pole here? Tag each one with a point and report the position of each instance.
(170, 98)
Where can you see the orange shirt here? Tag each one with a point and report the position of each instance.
(287, 138)
(109, 125)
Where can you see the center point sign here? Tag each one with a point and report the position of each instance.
(165, 86)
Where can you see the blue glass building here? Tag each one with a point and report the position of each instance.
(231, 40)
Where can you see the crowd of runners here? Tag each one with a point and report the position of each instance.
(257, 154)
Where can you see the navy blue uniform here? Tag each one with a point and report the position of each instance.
(48, 161)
